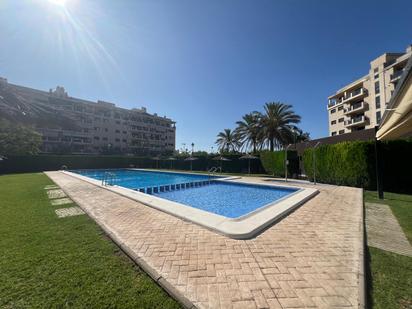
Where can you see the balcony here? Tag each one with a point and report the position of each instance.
(356, 121)
(356, 108)
(356, 94)
(396, 76)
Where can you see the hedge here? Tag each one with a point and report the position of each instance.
(274, 162)
(354, 164)
(38, 163)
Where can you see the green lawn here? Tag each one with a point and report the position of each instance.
(390, 275)
(46, 262)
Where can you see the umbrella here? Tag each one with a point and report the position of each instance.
(171, 159)
(221, 159)
(157, 158)
(191, 159)
(248, 157)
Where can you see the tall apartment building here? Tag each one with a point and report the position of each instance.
(361, 104)
(71, 125)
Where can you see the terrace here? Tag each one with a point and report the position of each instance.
(313, 257)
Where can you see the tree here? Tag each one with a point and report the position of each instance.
(277, 123)
(227, 140)
(300, 136)
(18, 140)
(249, 130)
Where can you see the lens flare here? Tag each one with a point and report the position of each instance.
(58, 2)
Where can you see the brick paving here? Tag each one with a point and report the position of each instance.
(313, 258)
(384, 231)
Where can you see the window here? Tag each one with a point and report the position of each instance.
(377, 89)
(97, 138)
(340, 108)
(376, 76)
(333, 133)
(332, 111)
(333, 122)
(341, 131)
(378, 117)
(341, 119)
(378, 102)
(106, 130)
(375, 70)
(117, 131)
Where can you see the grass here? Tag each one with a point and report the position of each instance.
(389, 274)
(48, 262)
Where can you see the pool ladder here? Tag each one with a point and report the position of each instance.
(108, 179)
(214, 170)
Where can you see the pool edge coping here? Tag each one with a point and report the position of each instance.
(246, 228)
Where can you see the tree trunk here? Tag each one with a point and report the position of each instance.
(271, 145)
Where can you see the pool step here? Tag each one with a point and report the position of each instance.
(180, 186)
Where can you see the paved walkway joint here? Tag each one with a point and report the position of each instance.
(384, 231)
(311, 258)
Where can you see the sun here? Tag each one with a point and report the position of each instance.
(58, 2)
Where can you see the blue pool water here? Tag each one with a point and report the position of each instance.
(135, 179)
(231, 200)
(227, 199)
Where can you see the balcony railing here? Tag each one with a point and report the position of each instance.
(356, 121)
(355, 94)
(357, 107)
(396, 76)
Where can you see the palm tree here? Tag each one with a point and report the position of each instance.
(249, 131)
(227, 140)
(300, 136)
(277, 123)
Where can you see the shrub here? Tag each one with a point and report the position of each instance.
(347, 163)
(274, 162)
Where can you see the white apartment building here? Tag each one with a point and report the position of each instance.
(361, 104)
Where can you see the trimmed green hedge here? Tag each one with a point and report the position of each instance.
(274, 162)
(354, 164)
(38, 163)
(344, 163)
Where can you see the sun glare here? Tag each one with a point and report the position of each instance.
(58, 2)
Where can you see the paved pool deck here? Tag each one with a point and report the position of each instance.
(313, 258)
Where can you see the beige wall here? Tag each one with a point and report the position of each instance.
(381, 71)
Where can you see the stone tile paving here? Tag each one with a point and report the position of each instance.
(57, 193)
(61, 201)
(49, 187)
(313, 258)
(69, 212)
(384, 231)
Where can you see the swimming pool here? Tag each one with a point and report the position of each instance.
(137, 179)
(231, 200)
(234, 208)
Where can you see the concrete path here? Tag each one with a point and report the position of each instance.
(383, 230)
(312, 258)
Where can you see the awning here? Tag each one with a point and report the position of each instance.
(397, 119)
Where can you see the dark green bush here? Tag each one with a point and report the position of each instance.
(38, 163)
(346, 163)
(274, 162)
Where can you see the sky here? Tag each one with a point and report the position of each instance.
(203, 64)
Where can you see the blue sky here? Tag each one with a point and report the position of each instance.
(202, 63)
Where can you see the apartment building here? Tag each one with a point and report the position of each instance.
(72, 125)
(361, 104)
